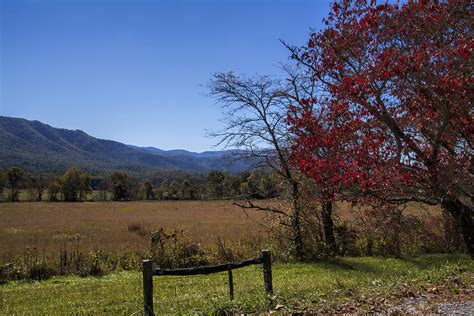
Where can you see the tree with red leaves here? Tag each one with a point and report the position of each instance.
(393, 117)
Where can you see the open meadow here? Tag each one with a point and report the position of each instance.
(125, 227)
(119, 226)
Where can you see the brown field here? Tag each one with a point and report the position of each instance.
(118, 226)
(126, 226)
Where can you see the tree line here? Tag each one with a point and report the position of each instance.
(75, 185)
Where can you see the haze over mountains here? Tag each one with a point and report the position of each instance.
(39, 147)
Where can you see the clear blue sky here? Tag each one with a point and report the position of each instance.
(131, 70)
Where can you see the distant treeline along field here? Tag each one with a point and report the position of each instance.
(75, 185)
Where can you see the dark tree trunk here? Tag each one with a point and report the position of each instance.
(463, 217)
(328, 225)
(370, 245)
(398, 217)
(296, 223)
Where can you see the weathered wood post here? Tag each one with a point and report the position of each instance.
(147, 266)
(231, 283)
(267, 271)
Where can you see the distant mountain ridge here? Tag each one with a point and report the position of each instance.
(42, 148)
(175, 152)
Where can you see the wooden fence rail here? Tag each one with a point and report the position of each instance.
(149, 272)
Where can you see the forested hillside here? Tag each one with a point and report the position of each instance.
(39, 147)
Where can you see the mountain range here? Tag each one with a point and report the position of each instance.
(39, 147)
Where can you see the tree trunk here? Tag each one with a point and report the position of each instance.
(463, 217)
(370, 245)
(398, 216)
(296, 223)
(328, 225)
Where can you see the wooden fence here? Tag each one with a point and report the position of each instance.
(149, 272)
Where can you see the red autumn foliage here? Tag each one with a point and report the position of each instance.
(394, 117)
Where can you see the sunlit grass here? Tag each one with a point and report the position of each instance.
(297, 287)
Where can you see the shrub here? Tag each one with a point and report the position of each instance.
(137, 228)
(173, 249)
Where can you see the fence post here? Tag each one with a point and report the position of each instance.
(231, 284)
(267, 271)
(147, 266)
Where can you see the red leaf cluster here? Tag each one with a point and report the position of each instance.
(394, 116)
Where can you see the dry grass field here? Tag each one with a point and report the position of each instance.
(126, 226)
(118, 226)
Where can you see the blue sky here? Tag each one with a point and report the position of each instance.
(132, 70)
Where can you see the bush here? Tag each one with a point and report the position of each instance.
(172, 249)
(137, 228)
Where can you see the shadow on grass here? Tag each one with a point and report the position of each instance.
(428, 262)
(338, 264)
(379, 265)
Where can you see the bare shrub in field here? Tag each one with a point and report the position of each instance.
(171, 248)
(138, 228)
(229, 250)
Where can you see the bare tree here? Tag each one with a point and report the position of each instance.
(254, 114)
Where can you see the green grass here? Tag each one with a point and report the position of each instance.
(297, 287)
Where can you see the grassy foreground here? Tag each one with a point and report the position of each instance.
(297, 287)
